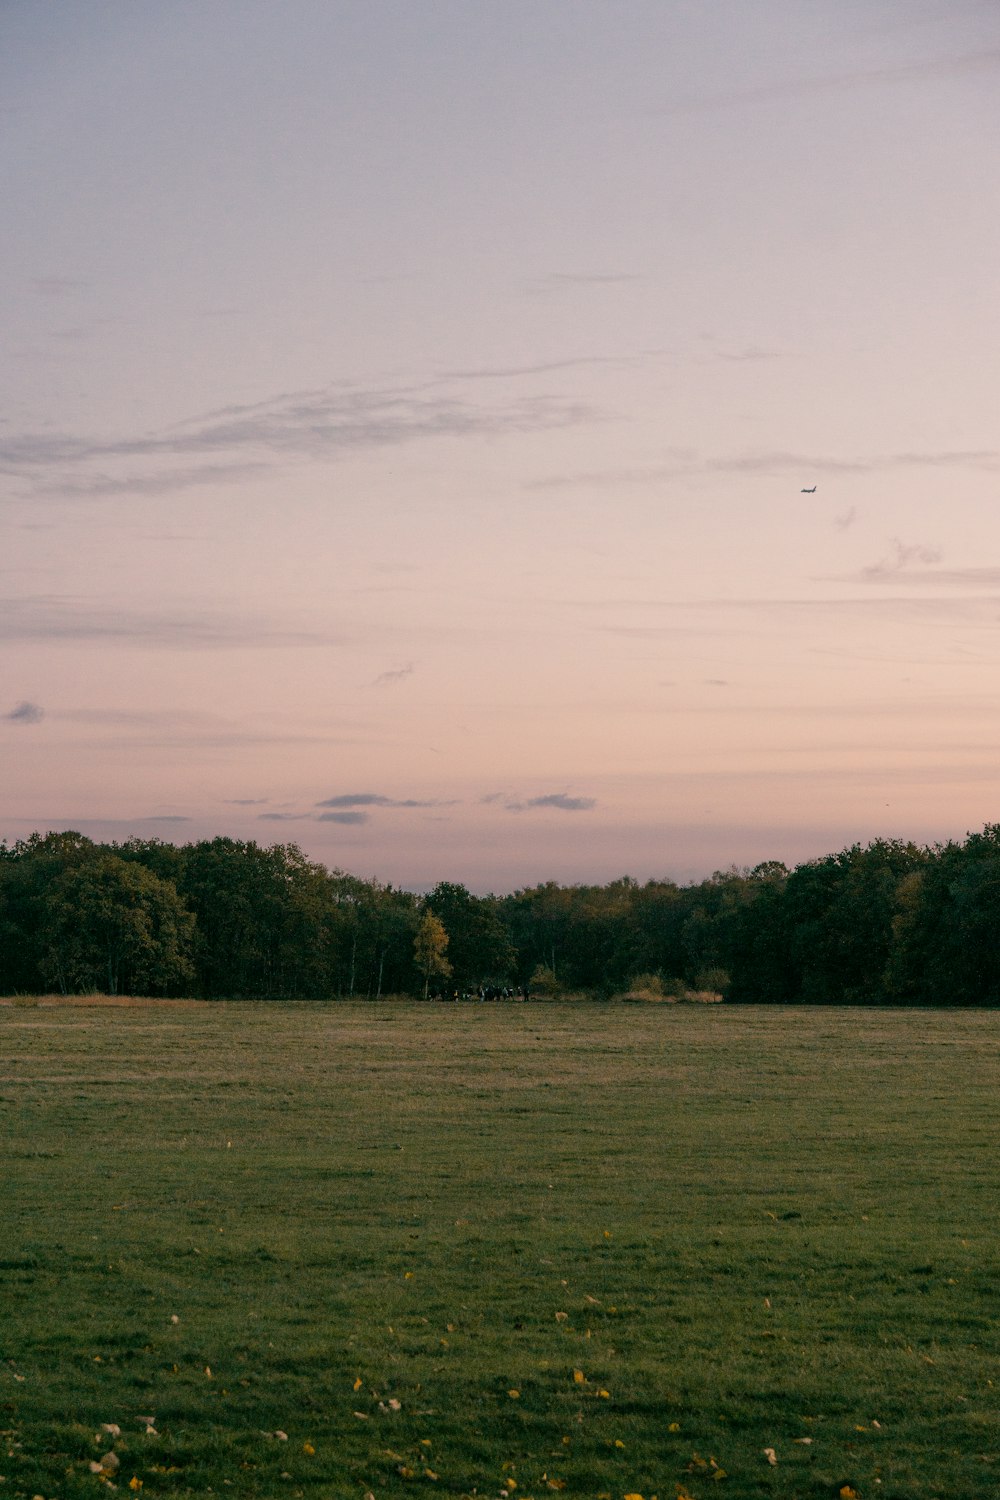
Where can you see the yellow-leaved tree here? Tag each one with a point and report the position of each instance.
(429, 948)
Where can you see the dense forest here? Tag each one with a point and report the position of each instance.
(887, 923)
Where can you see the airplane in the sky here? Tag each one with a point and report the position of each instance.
(808, 492)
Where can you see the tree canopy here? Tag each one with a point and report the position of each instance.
(889, 922)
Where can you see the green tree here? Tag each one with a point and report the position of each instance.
(28, 871)
(479, 942)
(267, 922)
(112, 925)
(429, 948)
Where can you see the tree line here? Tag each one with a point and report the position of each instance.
(885, 923)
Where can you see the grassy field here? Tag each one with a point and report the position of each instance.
(373, 1250)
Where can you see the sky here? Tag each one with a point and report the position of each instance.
(501, 442)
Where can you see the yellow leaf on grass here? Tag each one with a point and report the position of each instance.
(561, 1317)
(605, 1394)
(848, 1492)
(407, 1275)
(308, 1449)
(674, 1427)
(135, 1483)
(771, 1456)
(579, 1377)
(357, 1384)
(513, 1395)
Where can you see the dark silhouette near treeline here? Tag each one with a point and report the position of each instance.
(886, 923)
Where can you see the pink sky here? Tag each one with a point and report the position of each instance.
(407, 411)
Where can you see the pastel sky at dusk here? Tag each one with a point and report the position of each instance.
(406, 408)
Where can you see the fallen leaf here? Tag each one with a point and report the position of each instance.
(135, 1483)
(308, 1449)
(111, 1427)
(357, 1384)
(802, 1440)
(848, 1492)
(771, 1456)
(514, 1395)
(674, 1427)
(561, 1317)
(579, 1377)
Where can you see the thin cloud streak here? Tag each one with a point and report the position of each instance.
(44, 617)
(775, 463)
(792, 88)
(376, 799)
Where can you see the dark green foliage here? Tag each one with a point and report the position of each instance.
(479, 945)
(114, 926)
(885, 923)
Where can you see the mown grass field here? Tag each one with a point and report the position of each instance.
(604, 1251)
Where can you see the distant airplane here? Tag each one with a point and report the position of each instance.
(808, 492)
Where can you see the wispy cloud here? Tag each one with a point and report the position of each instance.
(56, 286)
(399, 674)
(752, 354)
(25, 713)
(686, 466)
(961, 65)
(547, 367)
(954, 578)
(846, 518)
(320, 425)
(376, 799)
(51, 618)
(350, 818)
(91, 486)
(555, 280)
(902, 555)
(561, 801)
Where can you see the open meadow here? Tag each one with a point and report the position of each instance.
(377, 1249)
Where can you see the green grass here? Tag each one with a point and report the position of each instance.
(762, 1225)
